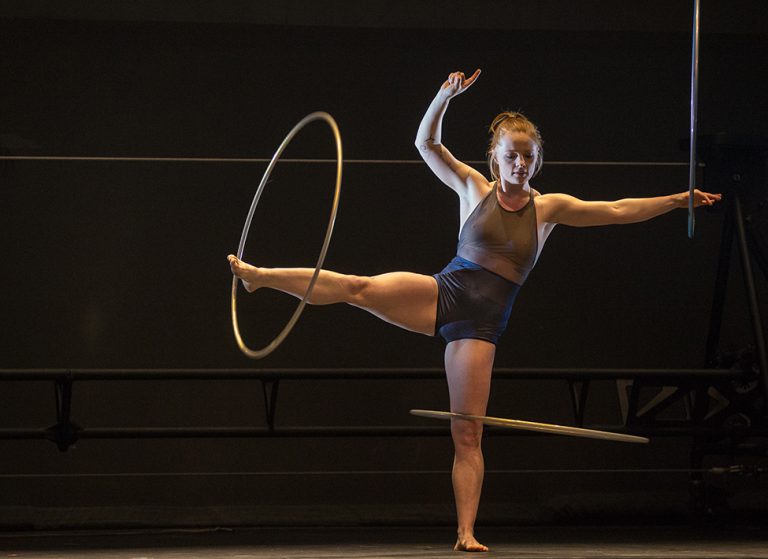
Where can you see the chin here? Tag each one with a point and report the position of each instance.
(517, 180)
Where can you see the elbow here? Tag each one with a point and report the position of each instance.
(421, 148)
(626, 216)
(425, 146)
(620, 214)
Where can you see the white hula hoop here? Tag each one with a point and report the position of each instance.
(269, 348)
(533, 426)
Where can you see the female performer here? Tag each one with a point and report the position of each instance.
(504, 224)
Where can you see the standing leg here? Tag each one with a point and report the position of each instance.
(468, 366)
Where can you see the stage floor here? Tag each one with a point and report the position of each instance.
(555, 542)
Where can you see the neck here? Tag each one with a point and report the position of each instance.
(508, 189)
(513, 197)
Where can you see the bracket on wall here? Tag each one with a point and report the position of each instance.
(64, 432)
(270, 387)
(579, 390)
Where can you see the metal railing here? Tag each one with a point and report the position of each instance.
(66, 431)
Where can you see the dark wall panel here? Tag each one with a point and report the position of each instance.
(122, 264)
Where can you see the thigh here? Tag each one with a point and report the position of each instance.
(404, 299)
(468, 368)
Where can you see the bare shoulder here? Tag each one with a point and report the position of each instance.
(478, 188)
(551, 197)
(547, 205)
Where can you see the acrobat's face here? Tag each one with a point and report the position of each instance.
(516, 154)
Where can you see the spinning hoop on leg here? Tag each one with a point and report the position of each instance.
(269, 348)
(532, 426)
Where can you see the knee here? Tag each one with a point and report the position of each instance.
(358, 289)
(467, 435)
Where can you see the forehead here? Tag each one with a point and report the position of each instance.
(516, 141)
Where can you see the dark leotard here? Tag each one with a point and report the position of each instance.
(476, 290)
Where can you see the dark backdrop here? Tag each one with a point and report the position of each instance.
(122, 264)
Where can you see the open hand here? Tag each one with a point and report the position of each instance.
(457, 83)
(701, 198)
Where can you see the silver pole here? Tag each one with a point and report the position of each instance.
(694, 107)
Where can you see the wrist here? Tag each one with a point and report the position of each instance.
(442, 98)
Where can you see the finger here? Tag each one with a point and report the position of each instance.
(473, 77)
(469, 81)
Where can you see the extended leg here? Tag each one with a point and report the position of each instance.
(404, 299)
(468, 366)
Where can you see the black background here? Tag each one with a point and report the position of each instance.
(122, 264)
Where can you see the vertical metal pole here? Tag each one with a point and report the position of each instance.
(721, 283)
(754, 307)
(694, 109)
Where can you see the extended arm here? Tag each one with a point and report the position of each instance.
(567, 210)
(448, 169)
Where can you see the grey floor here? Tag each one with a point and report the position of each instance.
(423, 543)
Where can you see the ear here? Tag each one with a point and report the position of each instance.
(494, 166)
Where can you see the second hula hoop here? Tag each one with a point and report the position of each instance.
(533, 426)
(269, 348)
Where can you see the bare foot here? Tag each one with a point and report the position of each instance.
(249, 275)
(469, 543)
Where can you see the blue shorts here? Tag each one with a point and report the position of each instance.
(472, 302)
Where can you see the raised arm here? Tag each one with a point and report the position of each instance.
(567, 210)
(448, 169)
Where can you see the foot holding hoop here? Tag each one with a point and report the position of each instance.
(250, 276)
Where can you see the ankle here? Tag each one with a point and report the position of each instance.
(465, 533)
(263, 275)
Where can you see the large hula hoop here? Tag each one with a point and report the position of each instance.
(269, 348)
